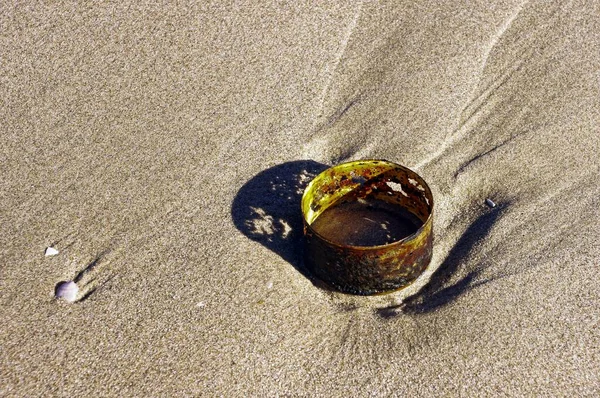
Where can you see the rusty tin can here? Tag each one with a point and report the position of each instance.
(367, 270)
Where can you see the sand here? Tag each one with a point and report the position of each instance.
(163, 149)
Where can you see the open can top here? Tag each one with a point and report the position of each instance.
(370, 269)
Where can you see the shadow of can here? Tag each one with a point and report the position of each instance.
(267, 208)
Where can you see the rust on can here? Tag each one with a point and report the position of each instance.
(367, 270)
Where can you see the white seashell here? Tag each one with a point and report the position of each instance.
(270, 285)
(66, 291)
(50, 251)
(490, 203)
(201, 304)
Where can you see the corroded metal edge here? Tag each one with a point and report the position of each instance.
(375, 269)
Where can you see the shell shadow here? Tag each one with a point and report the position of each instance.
(267, 208)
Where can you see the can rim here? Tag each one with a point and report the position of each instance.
(408, 238)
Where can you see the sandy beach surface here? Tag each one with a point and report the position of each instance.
(162, 150)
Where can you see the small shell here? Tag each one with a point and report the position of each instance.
(66, 291)
(490, 203)
(270, 285)
(50, 251)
